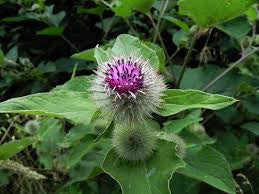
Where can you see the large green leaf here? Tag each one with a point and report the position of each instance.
(87, 55)
(177, 22)
(208, 165)
(90, 163)
(184, 185)
(209, 13)
(77, 84)
(51, 31)
(87, 144)
(75, 134)
(75, 106)
(126, 45)
(237, 28)
(234, 149)
(177, 100)
(49, 134)
(9, 149)
(227, 85)
(124, 8)
(253, 127)
(175, 126)
(149, 177)
(161, 55)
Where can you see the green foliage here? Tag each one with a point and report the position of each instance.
(126, 45)
(179, 100)
(124, 8)
(253, 127)
(206, 164)
(51, 31)
(49, 135)
(53, 137)
(75, 106)
(9, 149)
(147, 177)
(209, 13)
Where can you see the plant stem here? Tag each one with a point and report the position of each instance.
(160, 39)
(244, 56)
(106, 130)
(70, 43)
(204, 47)
(162, 12)
(105, 3)
(174, 54)
(7, 131)
(187, 58)
(131, 27)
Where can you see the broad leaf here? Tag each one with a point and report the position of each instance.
(234, 149)
(51, 31)
(49, 134)
(184, 185)
(161, 56)
(175, 126)
(177, 22)
(253, 127)
(77, 84)
(90, 163)
(75, 106)
(237, 28)
(149, 177)
(209, 13)
(124, 8)
(87, 144)
(87, 55)
(9, 149)
(126, 45)
(206, 164)
(227, 85)
(177, 100)
(75, 134)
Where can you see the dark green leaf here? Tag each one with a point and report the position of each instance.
(209, 13)
(49, 134)
(237, 28)
(175, 126)
(253, 127)
(177, 100)
(206, 164)
(149, 177)
(177, 22)
(75, 106)
(51, 31)
(9, 149)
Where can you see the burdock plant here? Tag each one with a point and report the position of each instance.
(128, 89)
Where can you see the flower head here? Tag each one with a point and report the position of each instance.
(128, 88)
(134, 144)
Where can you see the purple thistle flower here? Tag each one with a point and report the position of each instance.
(128, 88)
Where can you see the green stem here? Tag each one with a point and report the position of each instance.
(162, 12)
(160, 39)
(131, 27)
(187, 58)
(244, 56)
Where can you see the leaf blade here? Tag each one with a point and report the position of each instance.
(177, 100)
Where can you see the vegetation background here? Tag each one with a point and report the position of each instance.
(45, 43)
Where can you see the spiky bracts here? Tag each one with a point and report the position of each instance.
(128, 88)
(134, 144)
